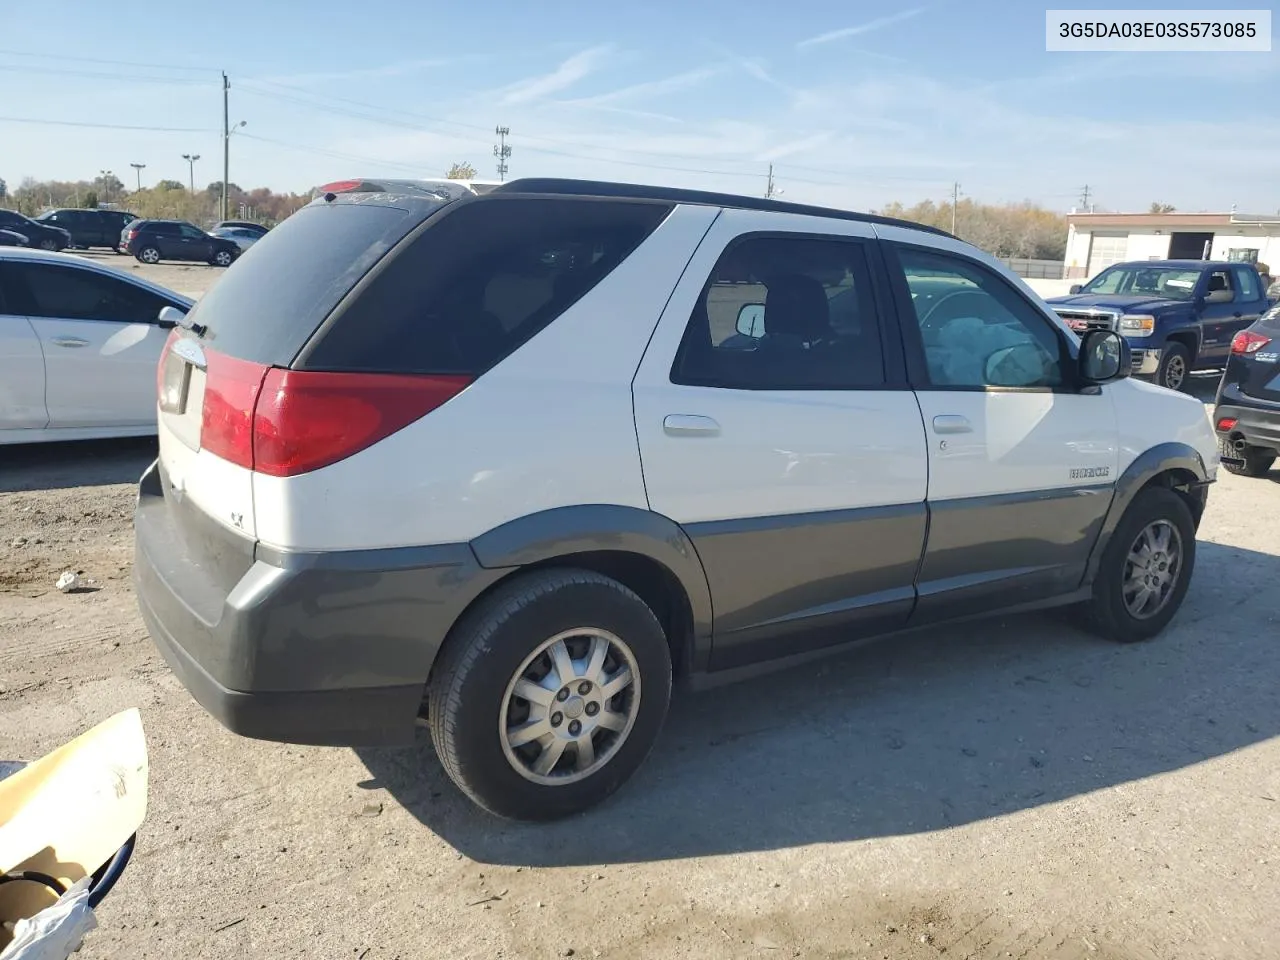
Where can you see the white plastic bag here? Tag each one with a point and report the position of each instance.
(56, 932)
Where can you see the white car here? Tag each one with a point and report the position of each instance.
(79, 345)
(516, 462)
(240, 236)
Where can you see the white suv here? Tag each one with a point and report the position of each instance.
(513, 462)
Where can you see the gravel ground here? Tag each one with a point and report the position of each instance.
(1007, 789)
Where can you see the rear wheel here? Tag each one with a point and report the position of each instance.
(222, 258)
(50, 245)
(550, 694)
(1175, 363)
(1145, 569)
(149, 255)
(1257, 463)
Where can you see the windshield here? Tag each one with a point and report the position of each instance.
(1168, 283)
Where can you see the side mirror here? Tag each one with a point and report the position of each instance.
(1020, 365)
(1104, 357)
(751, 320)
(1077, 287)
(169, 317)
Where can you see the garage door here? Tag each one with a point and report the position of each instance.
(1107, 249)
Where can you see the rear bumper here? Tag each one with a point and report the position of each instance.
(1256, 426)
(321, 648)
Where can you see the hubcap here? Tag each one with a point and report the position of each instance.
(150, 256)
(570, 707)
(1174, 373)
(1151, 570)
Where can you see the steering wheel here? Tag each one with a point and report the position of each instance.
(931, 322)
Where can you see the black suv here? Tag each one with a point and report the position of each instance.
(46, 237)
(1247, 412)
(154, 240)
(90, 228)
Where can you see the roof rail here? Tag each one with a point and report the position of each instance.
(636, 191)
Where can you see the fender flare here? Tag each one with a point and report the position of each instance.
(593, 528)
(1161, 458)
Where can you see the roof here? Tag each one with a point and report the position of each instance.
(635, 191)
(1163, 220)
(85, 263)
(1183, 264)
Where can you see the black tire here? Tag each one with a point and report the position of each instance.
(49, 245)
(1106, 613)
(223, 258)
(148, 255)
(482, 655)
(1175, 366)
(1257, 463)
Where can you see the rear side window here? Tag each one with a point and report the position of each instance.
(266, 308)
(479, 282)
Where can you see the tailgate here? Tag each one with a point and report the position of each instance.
(197, 479)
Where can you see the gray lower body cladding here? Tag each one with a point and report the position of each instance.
(327, 648)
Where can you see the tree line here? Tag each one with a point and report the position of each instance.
(1021, 230)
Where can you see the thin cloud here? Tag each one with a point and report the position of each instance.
(570, 71)
(650, 88)
(401, 69)
(811, 142)
(856, 31)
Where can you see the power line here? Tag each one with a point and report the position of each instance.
(61, 58)
(102, 126)
(99, 75)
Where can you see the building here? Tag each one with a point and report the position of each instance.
(1097, 240)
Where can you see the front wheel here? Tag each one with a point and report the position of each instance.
(149, 255)
(222, 258)
(1175, 364)
(1145, 569)
(550, 694)
(50, 245)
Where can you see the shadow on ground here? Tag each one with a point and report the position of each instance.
(86, 463)
(915, 733)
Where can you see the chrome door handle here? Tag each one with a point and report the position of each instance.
(70, 342)
(951, 423)
(689, 425)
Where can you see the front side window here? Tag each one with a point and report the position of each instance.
(1220, 289)
(975, 330)
(191, 233)
(782, 313)
(65, 293)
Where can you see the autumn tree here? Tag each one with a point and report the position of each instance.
(461, 171)
(1158, 207)
(1021, 230)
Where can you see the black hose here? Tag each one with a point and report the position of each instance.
(35, 876)
(105, 877)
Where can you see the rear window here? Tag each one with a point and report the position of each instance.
(266, 307)
(479, 282)
(1271, 319)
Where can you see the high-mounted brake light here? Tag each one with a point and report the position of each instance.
(340, 186)
(1246, 342)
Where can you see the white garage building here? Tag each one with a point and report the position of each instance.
(1097, 240)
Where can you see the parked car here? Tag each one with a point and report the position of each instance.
(10, 238)
(79, 345)
(482, 459)
(90, 228)
(38, 234)
(241, 237)
(1178, 315)
(257, 228)
(1247, 412)
(154, 240)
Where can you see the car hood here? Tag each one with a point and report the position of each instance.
(1115, 301)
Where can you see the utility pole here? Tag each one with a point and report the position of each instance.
(501, 150)
(955, 202)
(1084, 199)
(138, 168)
(768, 190)
(226, 143)
(191, 159)
(107, 177)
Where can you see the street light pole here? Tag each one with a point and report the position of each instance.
(106, 183)
(138, 168)
(191, 159)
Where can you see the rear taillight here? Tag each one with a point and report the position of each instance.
(1246, 342)
(230, 392)
(306, 419)
(286, 422)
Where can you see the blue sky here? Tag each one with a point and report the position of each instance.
(855, 103)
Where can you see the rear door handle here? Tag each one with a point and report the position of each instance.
(689, 425)
(951, 423)
(70, 342)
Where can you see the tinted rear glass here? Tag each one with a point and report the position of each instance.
(481, 280)
(267, 305)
